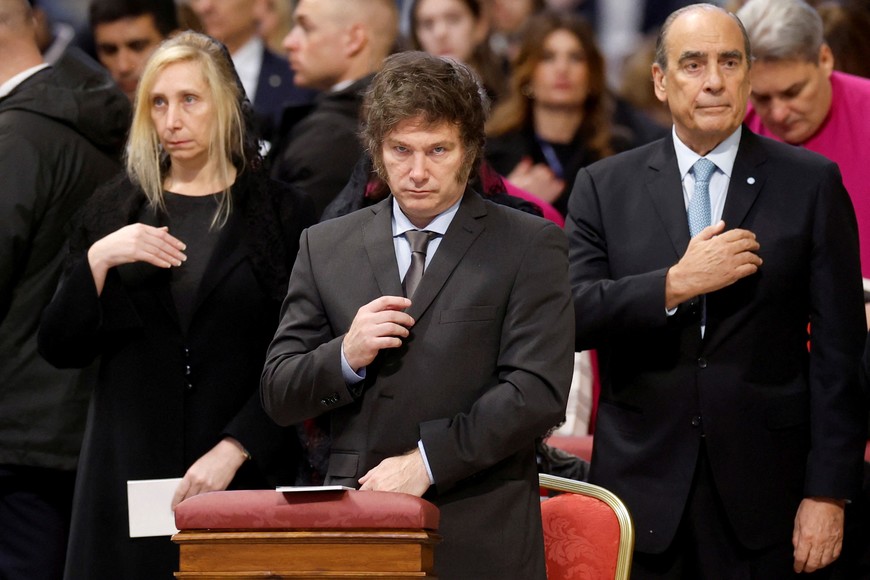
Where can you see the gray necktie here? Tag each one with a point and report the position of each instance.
(699, 206)
(419, 240)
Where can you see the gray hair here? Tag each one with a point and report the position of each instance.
(661, 57)
(783, 29)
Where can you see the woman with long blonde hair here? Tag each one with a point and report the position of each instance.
(175, 276)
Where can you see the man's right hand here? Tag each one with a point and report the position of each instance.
(712, 261)
(379, 324)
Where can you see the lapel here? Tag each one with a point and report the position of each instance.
(139, 274)
(230, 249)
(746, 179)
(228, 252)
(666, 192)
(466, 226)
(741, 197)
(378, 241)
(664, 179)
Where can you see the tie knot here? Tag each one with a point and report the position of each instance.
(703, 169)
(418, 239)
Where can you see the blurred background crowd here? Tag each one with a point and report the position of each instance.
(569, 84)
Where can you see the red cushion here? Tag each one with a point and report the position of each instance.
(268, 509)
(581, 537)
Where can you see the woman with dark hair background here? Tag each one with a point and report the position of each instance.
(558, 115)
(175, 277)
(459, 29)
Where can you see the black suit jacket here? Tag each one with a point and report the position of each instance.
(276, 90)
(780, 423)
(484, 372)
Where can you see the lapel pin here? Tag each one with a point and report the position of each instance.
(750, 180)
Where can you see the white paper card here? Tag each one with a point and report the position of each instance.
(292, 488)
(149, 504)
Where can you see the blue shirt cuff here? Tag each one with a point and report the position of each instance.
(350, 377)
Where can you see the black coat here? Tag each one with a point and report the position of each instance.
(61, 132)
(165, 397)
(318, 146)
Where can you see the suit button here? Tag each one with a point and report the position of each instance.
(696, 421)
(187, 370)
(188, 386)
(702, 363)
(330, 400)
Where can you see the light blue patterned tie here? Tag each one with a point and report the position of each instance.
(699, 206)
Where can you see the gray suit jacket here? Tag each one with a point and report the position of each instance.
(484, 372)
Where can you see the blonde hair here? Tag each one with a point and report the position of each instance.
(147, 164)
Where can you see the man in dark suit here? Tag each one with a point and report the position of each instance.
(267, 79)
(441, 395)
(734, 446)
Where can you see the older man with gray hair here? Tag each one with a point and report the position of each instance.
(799, 98)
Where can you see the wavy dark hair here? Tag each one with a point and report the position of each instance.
(515, 110)
(416, 84)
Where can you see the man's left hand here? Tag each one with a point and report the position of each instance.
(818, 533)
(403, 473)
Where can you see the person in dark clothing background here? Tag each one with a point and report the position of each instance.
(126, 33)
(175, 277)
(558, 115)
(61, 134)
(335, 46)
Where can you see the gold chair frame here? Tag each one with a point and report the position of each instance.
(626, 526)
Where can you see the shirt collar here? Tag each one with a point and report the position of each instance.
(723, 155)
(248, 60)
(13, 82)
(340, 86)
(439, 224)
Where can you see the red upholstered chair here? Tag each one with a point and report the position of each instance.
(323, 534)
(588, 533)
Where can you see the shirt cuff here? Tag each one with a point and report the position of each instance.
(350, 377)
(426, 462)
